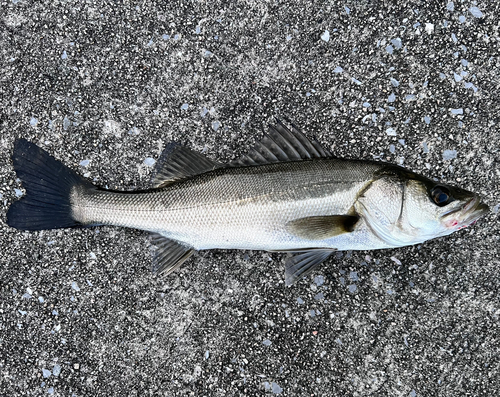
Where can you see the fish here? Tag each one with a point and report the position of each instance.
(286, 194)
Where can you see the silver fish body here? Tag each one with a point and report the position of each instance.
(286, 194)
(244, 207)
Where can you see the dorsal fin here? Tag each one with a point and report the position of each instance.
(281, 144)
(178, 162)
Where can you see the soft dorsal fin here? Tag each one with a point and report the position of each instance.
(322, 227)
(282, 144)
(303, 263)
(169, 254)
(178, 162)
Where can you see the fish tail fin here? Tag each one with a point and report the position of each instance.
(48, 184)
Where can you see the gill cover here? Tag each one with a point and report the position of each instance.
(381, 204)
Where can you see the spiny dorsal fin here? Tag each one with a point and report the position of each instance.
(178, 162)
(169, 254)
(303, 263)
(322, 227)
(282, 144)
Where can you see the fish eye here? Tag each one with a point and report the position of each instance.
(441, 196)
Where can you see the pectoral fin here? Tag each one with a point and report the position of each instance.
(322, 227)
(169, 254)
(302, 264)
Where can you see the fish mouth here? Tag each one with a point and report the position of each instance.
(466, 215)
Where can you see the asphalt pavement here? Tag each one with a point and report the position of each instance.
(103, 86)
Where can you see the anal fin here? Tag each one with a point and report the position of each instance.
(169, 254)
(303, 263)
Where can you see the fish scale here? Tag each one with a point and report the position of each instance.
(241, 208)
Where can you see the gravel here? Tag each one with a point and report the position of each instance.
(105, 85)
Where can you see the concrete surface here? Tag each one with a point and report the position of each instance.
(104, 85)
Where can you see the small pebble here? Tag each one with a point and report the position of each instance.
(66, 123)
(449, 154)
(394, 82)
(56, 370)
(149, 161)
(396, 260)
(397, 43)
(391, 131)
(276, 389)
(319, 296)
(476, 12)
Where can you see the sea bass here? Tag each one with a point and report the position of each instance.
(286, 194)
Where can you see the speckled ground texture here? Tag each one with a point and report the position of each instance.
(105, 86)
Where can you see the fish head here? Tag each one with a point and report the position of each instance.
(403, 208)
